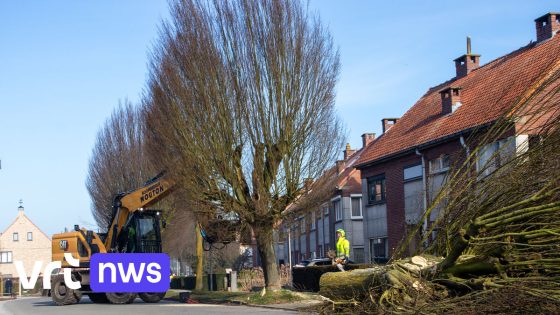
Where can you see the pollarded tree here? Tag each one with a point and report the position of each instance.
(117, 163)
(240, 107)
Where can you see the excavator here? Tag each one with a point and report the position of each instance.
(133, 229)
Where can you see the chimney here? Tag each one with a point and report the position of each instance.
(387, 123)
(547, 25)
(340, 166)
(348, 151)
(367, 138)
(450, 100)
(466, 63)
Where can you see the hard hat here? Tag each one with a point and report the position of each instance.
(341, 231)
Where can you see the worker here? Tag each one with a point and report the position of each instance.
(342, 249)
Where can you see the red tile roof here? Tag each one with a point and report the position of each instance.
(486, 94)
(348, 178)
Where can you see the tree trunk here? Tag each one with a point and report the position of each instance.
(199, 260)
(265, 247)
(344, 286)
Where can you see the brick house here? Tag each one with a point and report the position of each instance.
(23, 241)
(404, 168)
(311, 234)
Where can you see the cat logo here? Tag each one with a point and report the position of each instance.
(63, 244)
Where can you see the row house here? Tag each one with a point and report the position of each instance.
(403, 169)
(312, 234)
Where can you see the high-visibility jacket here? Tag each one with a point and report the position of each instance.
(342, 247)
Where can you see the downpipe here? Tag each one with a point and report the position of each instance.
(424, 195)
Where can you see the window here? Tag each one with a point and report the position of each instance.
(440, 164)
(313, 220)
(29, 236)
(82, 251)
(487, 160)
(494, 155)
(414, 199)
(15, 237)
(337, 210)
(320, 251)
(302, 225)
(376, 189)
(357, 207)
(378, 249)
(326, 210)
(412, 172)
(5, 257)
(358, 255)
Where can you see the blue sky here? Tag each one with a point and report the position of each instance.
(65, 65)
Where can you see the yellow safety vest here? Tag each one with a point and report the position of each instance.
(342, 247)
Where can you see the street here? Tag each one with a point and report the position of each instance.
(44, 306)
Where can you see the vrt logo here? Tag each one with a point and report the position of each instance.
(108, 273)
(29, 283)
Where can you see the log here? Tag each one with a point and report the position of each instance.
(356, 284)
(345, 286)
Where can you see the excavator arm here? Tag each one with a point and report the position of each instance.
(128, 203)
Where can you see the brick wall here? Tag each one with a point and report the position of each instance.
(393, 170)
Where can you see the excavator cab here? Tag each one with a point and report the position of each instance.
(141, 234)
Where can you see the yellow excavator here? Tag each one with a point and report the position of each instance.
(133, 229)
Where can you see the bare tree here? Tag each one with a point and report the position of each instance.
(240, 107)
(117, 163)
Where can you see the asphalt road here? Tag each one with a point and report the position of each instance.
(44, 306)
